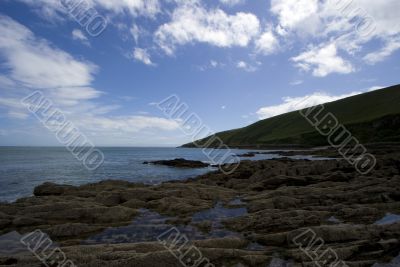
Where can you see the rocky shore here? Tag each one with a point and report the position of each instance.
(248, 218)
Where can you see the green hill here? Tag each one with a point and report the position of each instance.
(371, 117)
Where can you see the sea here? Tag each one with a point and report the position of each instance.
(24, 168)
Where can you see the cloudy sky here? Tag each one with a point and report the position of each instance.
(233, 62)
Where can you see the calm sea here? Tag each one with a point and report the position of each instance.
(23, 168)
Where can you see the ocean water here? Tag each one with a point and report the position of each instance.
(24, 168)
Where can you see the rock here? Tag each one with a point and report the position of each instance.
(180, 207)
(204, 226)
(50, 189)
(71, 230)
(117, 214)
(109, 199)
(180, 163)
(232, 243)
(26, 221)
(134, 204)
(282, 197)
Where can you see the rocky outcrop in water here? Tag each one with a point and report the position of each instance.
(179, 163)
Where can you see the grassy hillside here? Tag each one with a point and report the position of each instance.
(371, 117)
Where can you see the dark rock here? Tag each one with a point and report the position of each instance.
(179, 163)
(50, 189)
(283, 197)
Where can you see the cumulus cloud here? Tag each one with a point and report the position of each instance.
(292, 13)
(267, 43)
(191, 22)
(32, 63)
(348, 24)
(322, 61)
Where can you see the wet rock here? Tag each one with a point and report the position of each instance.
(232, 243)
(134, 204)
(109, 199)
(50, 189)
(174, 206)
(179, 163)
(204, 226)
(26, 221)
(117, 214)
(282, 197)
(71, 230)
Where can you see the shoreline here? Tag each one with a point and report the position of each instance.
(280, 196)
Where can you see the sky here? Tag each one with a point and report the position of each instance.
(107, 63)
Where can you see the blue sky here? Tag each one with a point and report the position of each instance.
(233, 62)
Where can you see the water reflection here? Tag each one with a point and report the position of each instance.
(149, 225)
(394, 263)
(388, 219)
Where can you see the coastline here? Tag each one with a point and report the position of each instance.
(281, 198)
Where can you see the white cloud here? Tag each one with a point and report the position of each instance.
(71, 96)
(143, 56)
(191, 23)
(350, 25)
(135, 7)
(306, 22)
(80, 36)
(246, 66)
(296, 103)
(232, 2)
(374, 88)
(383, 53)
(296, 82)
(15, 108)
(267, 43)
(6, 83)
(214, 63)
(35, 63)
(323, 61)
(127, 124)
(291, 13)
(14, 103)
(149, 8)
(17, 115)
(135, 32)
